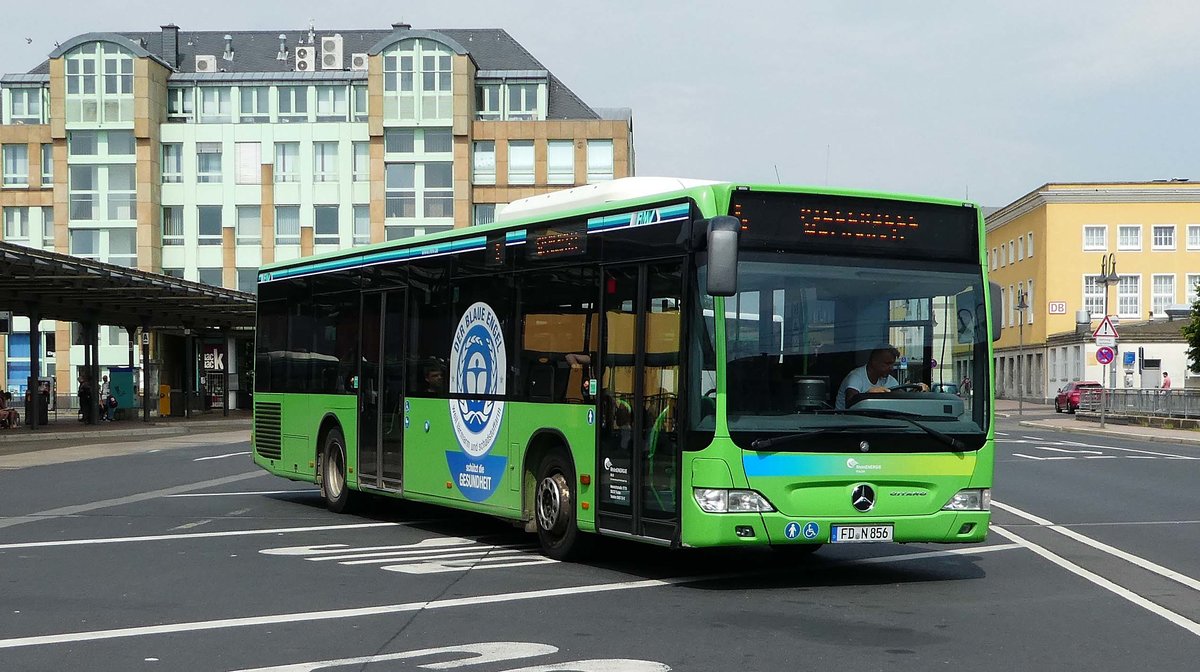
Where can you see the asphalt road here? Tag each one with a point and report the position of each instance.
(189, 558)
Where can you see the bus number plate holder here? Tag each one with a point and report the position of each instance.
(858, 534)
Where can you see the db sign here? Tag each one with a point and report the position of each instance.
(1058, 307)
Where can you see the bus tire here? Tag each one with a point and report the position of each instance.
(554, 509)
(334, 490)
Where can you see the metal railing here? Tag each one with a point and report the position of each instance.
(1151, 402)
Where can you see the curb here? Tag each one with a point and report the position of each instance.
(134, 434)
(1154, 438)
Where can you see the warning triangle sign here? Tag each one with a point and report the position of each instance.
(1106, 329)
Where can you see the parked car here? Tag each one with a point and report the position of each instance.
(1068, 396)
(948, 388)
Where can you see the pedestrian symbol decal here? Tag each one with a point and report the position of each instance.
(792, 530)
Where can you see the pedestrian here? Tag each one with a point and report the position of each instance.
(105, 400)
(9, 417)
(86, 403)
(1166, 384)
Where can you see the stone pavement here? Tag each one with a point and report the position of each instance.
(66, 430)
(1043, 417)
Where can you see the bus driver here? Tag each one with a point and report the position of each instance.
(874, 376)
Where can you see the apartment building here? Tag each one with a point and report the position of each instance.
(203, 155)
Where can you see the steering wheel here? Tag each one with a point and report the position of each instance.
(908, 387)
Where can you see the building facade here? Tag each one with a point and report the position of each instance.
(203, 155)
(1050, 248)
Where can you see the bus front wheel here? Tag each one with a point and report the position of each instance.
(333, 472)
(554, 509)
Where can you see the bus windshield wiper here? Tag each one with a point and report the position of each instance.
(954, 443)
(764, 444)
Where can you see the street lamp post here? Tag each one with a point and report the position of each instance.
(1022, 306)
(1108, 276)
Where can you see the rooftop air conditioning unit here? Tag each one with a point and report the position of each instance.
(206, 63)
(331, 52)
(306, 58)
(358, 62)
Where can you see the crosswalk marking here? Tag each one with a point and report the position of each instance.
(428, 556)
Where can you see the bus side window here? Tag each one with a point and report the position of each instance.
(558, 334)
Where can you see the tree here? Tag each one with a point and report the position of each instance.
(1191, 331)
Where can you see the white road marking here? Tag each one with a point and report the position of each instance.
(197, 535)
(428, 556)
(1120, 591)
(130, 499)
(245, 493)
(1066, 450)
(188, 526)
(238, 512)
(1101, 457)
(218, 457)
(934, 554)
(1001, 433)
(478, 654)
(1132, 450)
(1029, 457)
(1101, 546)
(359, 612)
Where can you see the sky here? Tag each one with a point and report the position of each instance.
(979, 100)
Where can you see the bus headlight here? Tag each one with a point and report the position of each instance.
(973, 499)
(714, 500)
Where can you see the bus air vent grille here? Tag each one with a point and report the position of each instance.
(267, 430)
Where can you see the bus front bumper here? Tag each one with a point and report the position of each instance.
(704, 529)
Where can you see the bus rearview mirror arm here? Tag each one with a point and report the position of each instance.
(722, 255)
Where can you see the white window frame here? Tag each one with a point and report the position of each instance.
(1012, 252)
(16, 223)
(1134, 297)
(181, 103)
(332, 103)
(172, 163)
(362, 224)
(1020, 248)
(1094, 293)
(361, 105)
(288, 237)
(1029, 301)
(521, 101)
(483, 162)
(216, 105)
(522, 172)
(321, 212)
(24, 104)
(325, 161)
(292, 104)
(116, 198)
(172, 225)
(210, 239)
(1161, 299)
(1136, 243)
(1100, 246)
(483, 214)
(249, 225)
(48, 227)
(489, 101)
(601, 160)
(209, 176)
(441, 195)
(287, 163)
(254, 104)
(1029, 245)
(1192, 279)
(16, 155)
(1168, 230)
(247, 163)
(560, 162)
(361, 161)
(400, 190)
(1193, 236)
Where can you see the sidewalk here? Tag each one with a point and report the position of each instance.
(66, 429)
(1044, 417)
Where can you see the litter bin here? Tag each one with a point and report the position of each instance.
(164, 401)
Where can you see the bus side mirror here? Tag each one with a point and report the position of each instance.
(722, 255)
(994, 290)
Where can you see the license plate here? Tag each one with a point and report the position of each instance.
(849, 534)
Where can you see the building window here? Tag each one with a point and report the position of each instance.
(208, 162)
(209, 217)
(520, 162)
(1129, 296)
(287, 162)
(1162, 294)
(1029, 301)
(173, 272)
(362, 161)
(484, 162)
(1029, 245)
(399, 140)
(287, 225)
(325, 168)
(560, 162)
(16, 224)
(122, 247)
(210, 276)
(180, 104)
(522, 102)
(83, 143)
(325, 225)
(16, 165)
(84, 186)
(487, 102)
(331, 103)
(254, 104)
(122, 192)
(417, 81)
(1021, 248)
(216, 106)
(1193, 287)
(1164, 236)
(25, 105)
(1013, 300)
(249, 224)
(362, 224)
(1193, 237)
(84, 243)
(1093, 296)
(1095, 237)
(172, 163)
(47, 165)
(360, 103)
(293, 103)
(89, 101)
(599, 160)
(247, 280)
(47, 227)
(120, 143)
(248, 165)
(401, 190)
(1012, 255)
(172, 225)
(483, 213)
(437, 141)
(438, 195)
(995, 258)
(1129, 237)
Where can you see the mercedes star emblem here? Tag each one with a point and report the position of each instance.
(863, 498)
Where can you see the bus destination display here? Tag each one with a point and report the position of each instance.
(558, 241)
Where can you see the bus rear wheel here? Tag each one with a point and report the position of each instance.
(333, 472)
(554, 509)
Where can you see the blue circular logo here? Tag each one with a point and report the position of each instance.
(478, 366)
(811, 530)
(792, 530)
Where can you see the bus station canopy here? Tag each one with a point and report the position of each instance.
(63, 287)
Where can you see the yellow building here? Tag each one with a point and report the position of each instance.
(1050, 247)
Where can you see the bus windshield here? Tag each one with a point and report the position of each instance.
(801, 326)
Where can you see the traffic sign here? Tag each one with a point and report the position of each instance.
(1106, 328)
(1106, 341)
(1104, 355)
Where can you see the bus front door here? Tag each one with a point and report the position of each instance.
(638, 449)
(381, 391)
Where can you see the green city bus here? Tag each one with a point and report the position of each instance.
(563, 367)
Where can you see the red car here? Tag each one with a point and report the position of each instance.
(1068, 396)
